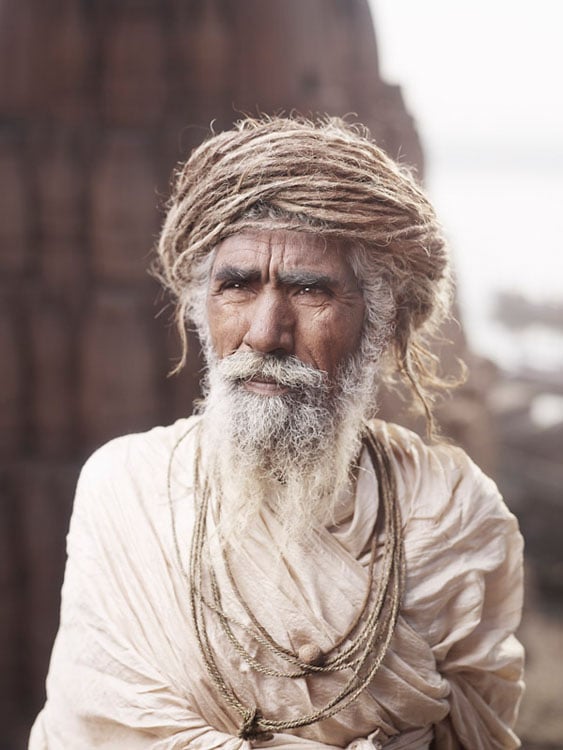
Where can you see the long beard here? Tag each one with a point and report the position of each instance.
(293, 453)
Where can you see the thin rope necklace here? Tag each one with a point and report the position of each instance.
(360, 650)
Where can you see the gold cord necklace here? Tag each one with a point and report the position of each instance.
(360, 650)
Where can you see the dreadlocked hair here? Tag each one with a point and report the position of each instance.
(326, 177)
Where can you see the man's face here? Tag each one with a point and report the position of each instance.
(284, 293)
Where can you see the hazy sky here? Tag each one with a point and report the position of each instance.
(488, 68)
(483, 80)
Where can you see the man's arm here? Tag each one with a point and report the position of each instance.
(467, 598)
(485, 666)
(107, 686)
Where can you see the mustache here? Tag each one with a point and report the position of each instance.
(286, 371)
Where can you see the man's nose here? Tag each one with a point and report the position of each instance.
(270, 324)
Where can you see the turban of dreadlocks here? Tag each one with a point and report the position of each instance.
(325, 177)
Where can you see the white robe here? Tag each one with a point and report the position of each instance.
(126, 671)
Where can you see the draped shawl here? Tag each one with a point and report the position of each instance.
(126, 671)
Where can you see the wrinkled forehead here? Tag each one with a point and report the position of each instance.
(282, 250)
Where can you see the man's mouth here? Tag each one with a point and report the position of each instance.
(264, 386)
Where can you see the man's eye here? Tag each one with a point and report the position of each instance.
(312, 290)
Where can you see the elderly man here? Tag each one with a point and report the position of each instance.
(283, 570)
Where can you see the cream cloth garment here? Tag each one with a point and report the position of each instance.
(126, 671)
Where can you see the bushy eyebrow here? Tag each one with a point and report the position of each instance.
(295, 277)
(306, 278)
(233, 273)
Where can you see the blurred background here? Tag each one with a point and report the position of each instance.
(100, 99)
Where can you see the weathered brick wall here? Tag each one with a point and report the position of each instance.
(98, 101)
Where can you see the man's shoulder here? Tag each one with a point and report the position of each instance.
(140, 453)
(438, 476)
(404, 444)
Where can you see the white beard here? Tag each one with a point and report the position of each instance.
(295, 452)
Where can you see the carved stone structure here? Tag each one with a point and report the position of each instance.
(98, 101)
